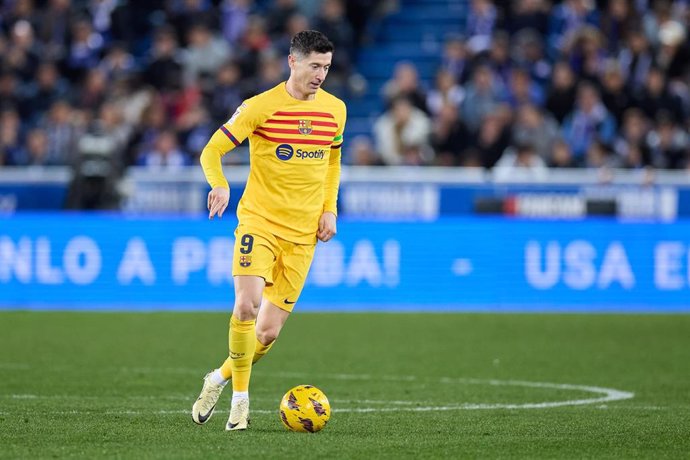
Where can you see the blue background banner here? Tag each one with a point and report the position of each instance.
(93, 261)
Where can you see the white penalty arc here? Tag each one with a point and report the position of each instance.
(601, 395)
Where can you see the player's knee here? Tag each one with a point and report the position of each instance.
(245, 309)
(267, 335)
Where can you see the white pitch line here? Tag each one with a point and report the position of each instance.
(191, 398)
(605, 395)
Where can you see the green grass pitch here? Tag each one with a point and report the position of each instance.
(94, 385)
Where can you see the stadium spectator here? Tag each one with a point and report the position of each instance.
(19, 10)
(586, 53)
(253, 43)
(661, 12)
(528, 53)
(449, 137)
(614, 94)
(482, 97)
(521, 161)
(9, 93)
(332, 22)
(270, 73)
(185, 15)
(363, 16)
(481, 21)
(405, 82)
(309, 7)
(635, 60)
(534, 126)
(455, 58)
(498, 57)
(522, 90)
(22, 53)
(42, 92)
(234, 19)
(492, 139)
(362, 152)
(111, 125)
(630, 145)
(446, 91)
(295, 23)
(673, 55)
(527, 14)
(656, 97)
(38, 151)
(84, 50)
(117, 62)
(402, 134)
(11, 145)
(669, 144)
(62, 131)
(560, 99)
(599, 156)
(53, 27)
(589, 122)
(153, 121)
(561, 156)
(165, 153)
(93, 91)
(278, 15)
(101, 12)
(131, 98)
(99, 149)
(566, 19)
(226, 94)
(195, 128)
(205, 53)
(163, 69)
(617, 18)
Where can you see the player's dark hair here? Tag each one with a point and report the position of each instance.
(310, 41)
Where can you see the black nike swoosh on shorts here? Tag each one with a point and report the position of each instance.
(286, 301)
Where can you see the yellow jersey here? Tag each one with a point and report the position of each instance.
(294, 155)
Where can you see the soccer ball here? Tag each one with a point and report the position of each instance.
(305, 408)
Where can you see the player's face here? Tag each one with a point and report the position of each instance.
(309, 72)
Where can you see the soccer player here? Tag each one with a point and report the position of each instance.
(295, 133)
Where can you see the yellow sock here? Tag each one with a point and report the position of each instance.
(242, 346)
(261, 350)
(226, 369)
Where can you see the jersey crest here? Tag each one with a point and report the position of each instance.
(304, 127)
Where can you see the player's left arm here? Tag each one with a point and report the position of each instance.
(327, 222)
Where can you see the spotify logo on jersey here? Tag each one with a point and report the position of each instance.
(284, 152)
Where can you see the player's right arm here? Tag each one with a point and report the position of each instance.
(227, 137)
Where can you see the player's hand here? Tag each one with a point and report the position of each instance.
(327, 227)
(217, 201)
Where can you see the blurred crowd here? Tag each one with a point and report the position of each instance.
(532, 84)
(104, 84)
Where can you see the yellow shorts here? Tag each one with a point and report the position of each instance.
(283, 264)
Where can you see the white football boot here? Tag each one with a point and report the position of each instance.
(206, 403)
(239, 415)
